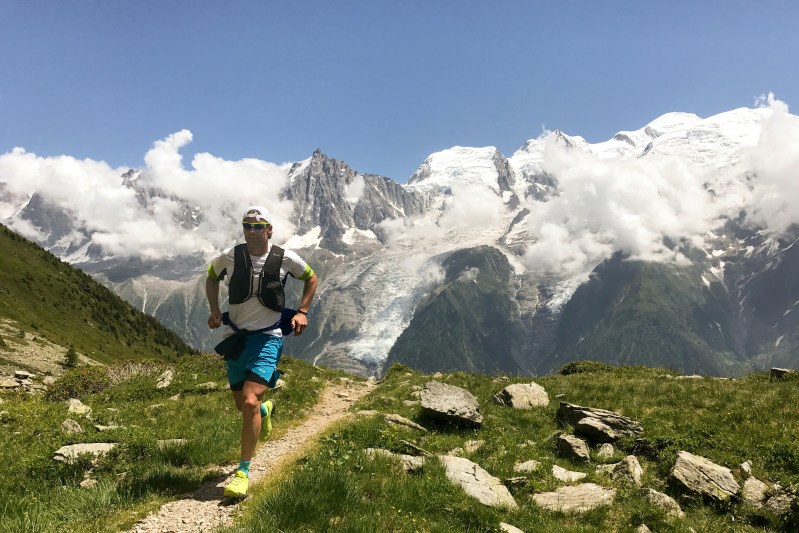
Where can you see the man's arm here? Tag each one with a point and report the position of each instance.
(300, 320)
(212, 293)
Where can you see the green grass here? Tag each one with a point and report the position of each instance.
(338, 488)
(42, 495)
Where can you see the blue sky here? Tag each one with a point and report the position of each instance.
(380, 85)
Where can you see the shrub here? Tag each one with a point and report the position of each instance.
(71, 357)
(584, 367)
(78, 382)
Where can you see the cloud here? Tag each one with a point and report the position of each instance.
(353, 191)
(218, 189)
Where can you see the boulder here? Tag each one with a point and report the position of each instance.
(477, 483)
(8, 383)
(68, 454)
(605, 451)
(88, 483)
(522, 396)
(71, 426)
(765, 497)
(703, 477)
(621, 425)
(568, 476)
(628, 470)
(595, 430)
(755, 492)
(527, 467)
(663, 501)
(77, 407)
(207, 386)
(780, 373)
(576, 498)
(165, 379)
(22, 374)
(746, 468)
(402, 421)
(410, 463)
(507, 528)
(573, 447)
(450, 403)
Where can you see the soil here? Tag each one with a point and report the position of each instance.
(206, 509)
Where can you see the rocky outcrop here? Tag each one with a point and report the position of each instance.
(522, 396)
(575, 499)
(477, 483)
(619, 424)
(628, 470)
(700, 476)
(663, 501)
(450, 403)
(573, 448)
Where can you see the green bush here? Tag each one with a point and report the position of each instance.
(78, 382)
(584, 367)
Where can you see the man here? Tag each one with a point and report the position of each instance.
(255, 274)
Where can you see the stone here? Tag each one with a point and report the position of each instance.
(8, 383)
(780, 373)
(573, 448)
(595, 430)
(279, 384)
(575, 498)
(71, 426)
(692, 376)
(48, 381)
(628, 470)
(22, 374)
(68, 454)
(88, 483)
(571, 414)
(165, 379)
(409, 463)
(522, 396)
(207, 386)
(77, 407)
(438, 375)
(755, 492)
(507, 528)
(605, 451)
(765, 497)
(527, 466)
(175, 398)
(606, 469)
(402, 421)
(411, 403)
(642, 528)
(515, 481)
(568, 476)
(471, 446)
(663, 501)
(703, 477)
(367, 412)
(450, 403)
(746, 468)
(477, 483)
(100, 427)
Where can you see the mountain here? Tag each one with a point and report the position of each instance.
(48, 306)
(669, 245)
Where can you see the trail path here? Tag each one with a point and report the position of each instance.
(205, 509)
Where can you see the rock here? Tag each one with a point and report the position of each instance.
(642, 528)
(573, 448)
(371, 381)
(575, 499)
(692, 376)
(527, 466)
(663, 501)
(155, 406)
(628, 470)
(71, 426)
(367, 412)
(279, 384)
(48, 381)
(522, 396)
(88, 483)
(175, 398)
(438, 375)
(507, 528)
(606, 469)
(780, 373)
(165, 379)
(7, 383)
(342, 394)
(605, 451)
(701, 476)
(402, 421)
(765, 497)
(112, 409)
(68, 454)
(595, 430)
(755, 492)
(471, 446)
(622, 425)
(410, 463)
(100, 427)
(746, 468)
(561, 474)
(411, 403)
(515, 481)
(77, 407)
(22, 374)
(207, 386)
(477, 483)
(450, 403)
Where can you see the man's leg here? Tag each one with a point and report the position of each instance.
(252, 394)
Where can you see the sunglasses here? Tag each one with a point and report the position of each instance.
(257, 227)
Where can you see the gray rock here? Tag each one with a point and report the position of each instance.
(628, 470)
(165, 379)
(755, 492)
(622, 425)
(642, 528)
(471, 446)
(527, 466)
(71, 426)
(22, 374)
(746, 468)
(402, 421)
(450, 403)
(663, 501)
(568, 476)
(48, 381)
(765, 497)
(780, 373)
(477, 483)
(605, 451)
(100, 427)
(595, 430)
(77, 407)
(575, 499)
(207, 386)
(522, 396)
(507, 528)
(573, 448)
(606, 469)
(411, 403)
(701, 476)
(410, 463)
(68, 454)
(88, 483)
(8, 383)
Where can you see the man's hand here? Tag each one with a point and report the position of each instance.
(298, 323)
(215, 319)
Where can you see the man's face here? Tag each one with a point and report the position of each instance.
(256, 231)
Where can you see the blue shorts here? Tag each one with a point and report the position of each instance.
(257, 361)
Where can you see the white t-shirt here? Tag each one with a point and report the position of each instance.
(251, 314)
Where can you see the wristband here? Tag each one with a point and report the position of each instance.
(302, 312)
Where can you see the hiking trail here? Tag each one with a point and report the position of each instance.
(205, 509)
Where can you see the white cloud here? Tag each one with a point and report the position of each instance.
(353, 191)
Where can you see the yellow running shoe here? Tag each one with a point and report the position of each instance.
(270, 410)
(237, 488)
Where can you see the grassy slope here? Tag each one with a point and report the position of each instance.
(67, 307)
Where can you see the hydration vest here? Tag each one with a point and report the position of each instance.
(270, 287)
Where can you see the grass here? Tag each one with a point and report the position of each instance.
(42, 495)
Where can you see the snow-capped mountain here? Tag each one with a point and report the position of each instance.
(669, 245)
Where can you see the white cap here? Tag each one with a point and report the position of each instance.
(258, 212)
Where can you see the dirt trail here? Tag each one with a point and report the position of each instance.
(206, 510)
